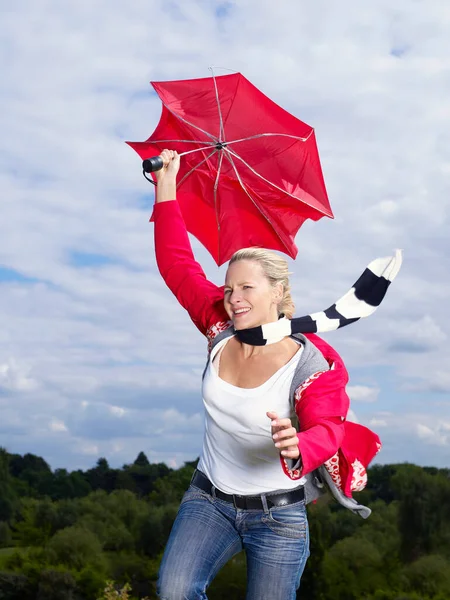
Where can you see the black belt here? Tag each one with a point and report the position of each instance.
(248, 502)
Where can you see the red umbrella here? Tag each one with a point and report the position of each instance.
(251, 172)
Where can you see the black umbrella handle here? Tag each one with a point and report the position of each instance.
(150, 165)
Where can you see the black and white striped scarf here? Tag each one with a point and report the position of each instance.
(360, 301)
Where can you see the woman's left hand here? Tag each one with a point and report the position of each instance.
(284, 436)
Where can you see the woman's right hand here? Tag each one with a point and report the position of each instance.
(171, 160)
(166, 177)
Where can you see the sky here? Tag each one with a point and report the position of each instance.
(96, 357)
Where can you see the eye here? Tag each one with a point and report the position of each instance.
(247, 287)
(226, 291)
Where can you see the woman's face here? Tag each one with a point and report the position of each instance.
(249, 298)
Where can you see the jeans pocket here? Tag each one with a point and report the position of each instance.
(288, 521)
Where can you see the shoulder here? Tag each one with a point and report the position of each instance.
(312, 358)
(332, 357)
(321, 363)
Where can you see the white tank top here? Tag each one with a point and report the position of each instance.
(239, 455)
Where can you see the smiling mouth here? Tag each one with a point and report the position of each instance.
(241, 312)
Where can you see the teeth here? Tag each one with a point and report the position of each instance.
(241, 310)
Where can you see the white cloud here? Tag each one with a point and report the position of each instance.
(438, 435)
(421, 335)
(57, 425)
(362, 393)
(117, 411)
(88, 449)
(378, 423)
(15, 377)
(437, 380)
(351, 416)
(414, 436)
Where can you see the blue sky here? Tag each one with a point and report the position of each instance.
(9, 275)
(96, 357)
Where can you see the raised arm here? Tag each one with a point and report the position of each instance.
(182, 273)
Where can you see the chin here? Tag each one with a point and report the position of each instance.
(239, 326)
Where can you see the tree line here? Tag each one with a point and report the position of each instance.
(71, 535)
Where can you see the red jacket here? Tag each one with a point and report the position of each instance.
(321, 402)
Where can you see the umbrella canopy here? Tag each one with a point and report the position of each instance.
(250, 173)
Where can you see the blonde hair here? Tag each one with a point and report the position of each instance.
(275, 268)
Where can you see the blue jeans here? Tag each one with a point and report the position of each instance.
(208, 532)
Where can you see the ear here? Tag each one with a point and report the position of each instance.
(278, 291)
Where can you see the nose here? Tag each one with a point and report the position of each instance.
(235, 297)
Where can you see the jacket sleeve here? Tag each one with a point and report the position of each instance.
(321, 405)
(182, 273)
(321, 412)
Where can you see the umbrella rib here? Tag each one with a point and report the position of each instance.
(189, 123)
(258, 135)
(221, 129)
(210, 145)
(184, 142)
(196, 167)
(198, 149)
(274, 185)
(216, 185)
(259, 209)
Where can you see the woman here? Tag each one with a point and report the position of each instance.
(248, 491)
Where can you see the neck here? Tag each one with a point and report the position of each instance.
(249, 351)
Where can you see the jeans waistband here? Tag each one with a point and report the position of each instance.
(200, 480)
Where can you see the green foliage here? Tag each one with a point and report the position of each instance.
(231, 581)
(429, 575)
(67, 513)
(322, 534)
(24, 466)
(15, 586)
(170, 489)
(101, 476)
(62, 540)
(128, 508)
(353, 567)
(424, 512)
(8, 497)
(66, 485)
(155, 528)
(56, 584)
(145, 475)
(393, 595)
(132, 567)
(5, 535)
(30, 530)
(90, 582)
(141, 460)
(379, 484)
(76, 548)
